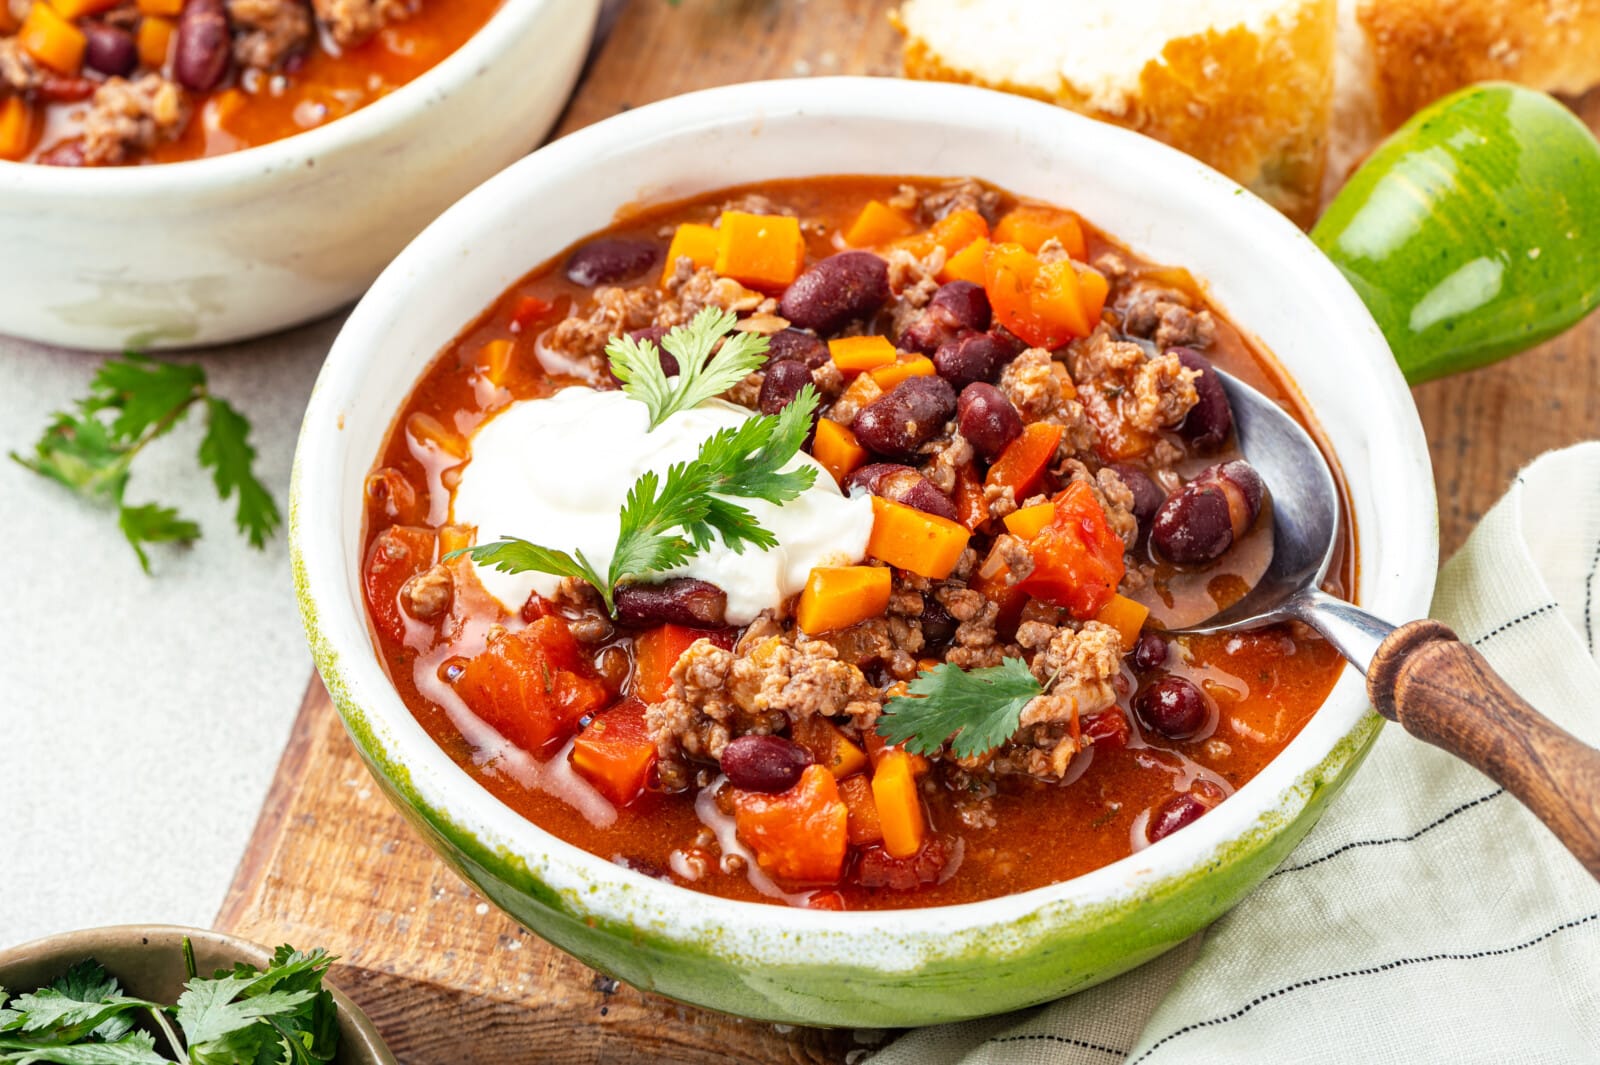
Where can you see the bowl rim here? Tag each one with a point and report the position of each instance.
(381, 116)
(337, 631)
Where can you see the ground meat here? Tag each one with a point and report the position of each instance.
(427, 595)
(1164, 316)
(966, 195)
(691, 290)
(759, 687)
(128, 118)
(1163, 393)
(951, 453)
(755, 203)
(18, 71)
(1101, 358)
(353, 21)
(889, 642)
(913, 281)
(1116, 499)
(584, 336)
(976, 643)
(266, 32)
(1038, 387)
(829, 381)
(1084, 663)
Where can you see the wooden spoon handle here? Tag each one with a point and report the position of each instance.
(1443, 691)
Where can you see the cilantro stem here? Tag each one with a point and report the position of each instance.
(124, 461)
(188, 959)
(159, 1015)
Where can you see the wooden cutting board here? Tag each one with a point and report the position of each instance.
(448, 979)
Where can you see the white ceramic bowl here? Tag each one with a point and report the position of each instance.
(905, 966)
(219, 249)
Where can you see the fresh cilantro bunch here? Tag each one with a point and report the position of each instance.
(665, 521)
(135, 400)
(242, 1016)
(974, 710)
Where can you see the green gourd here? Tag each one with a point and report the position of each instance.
(1473, 233)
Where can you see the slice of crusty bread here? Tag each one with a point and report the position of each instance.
(1244, 85)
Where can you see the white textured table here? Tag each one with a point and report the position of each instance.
(140, 717)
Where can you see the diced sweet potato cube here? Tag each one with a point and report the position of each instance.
(799, 835)
(534, 686)
(615, 753)
(764, 251)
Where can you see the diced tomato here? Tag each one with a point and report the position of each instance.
(829, 746)
(615, 753)
(657, 650)
(971, 510)
(1077, 559)
(1108, 728)
(1007, 596)
(391, 500)
(399, 553)
(825, 900)
(798, 835)
(534, 686)
(864, 825)
(528, 311)
(1044, 303)
(877, 869)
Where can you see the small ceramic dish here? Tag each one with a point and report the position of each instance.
(893, 967)
(233, 246)
(148, 961)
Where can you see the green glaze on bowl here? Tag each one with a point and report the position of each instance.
(1473, 233)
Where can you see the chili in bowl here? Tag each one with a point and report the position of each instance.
(198, 171)
(849, 598)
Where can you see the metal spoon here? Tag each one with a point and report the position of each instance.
(1418, 674)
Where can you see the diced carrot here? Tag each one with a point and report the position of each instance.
(430, 432)
(398, 553)
(1034, 226)
(1077, 559)
(878, 223)
(855, 354)
(763, 251)
(829, 746)
(76, 9)
(1025, 459)
(1125, 615)
(526, 314)
(968, 497)
(155, 40)
(161, 7)
(1027, 522)
(533, 686)
(837, 449)
(924, 544)
(615, 753)
(655, 652)
(16, 128)
(901, 369)
(957, 229)
(494, 361)
(894, 793)
(836, 597)
(694, 242)
(52, 40)
(863, 826)
(801, 834)
(966, 264)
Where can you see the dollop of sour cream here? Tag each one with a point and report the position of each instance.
(555, 472)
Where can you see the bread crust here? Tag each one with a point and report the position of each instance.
(1256, 106)
(1425, 49)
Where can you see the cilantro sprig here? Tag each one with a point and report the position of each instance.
(974, 710)
(667, 520)
(132, 402)
(244, 1016)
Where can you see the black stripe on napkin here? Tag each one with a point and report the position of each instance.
(1046, 1037)
(1429, 827)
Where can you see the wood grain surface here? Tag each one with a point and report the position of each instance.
(449, 980)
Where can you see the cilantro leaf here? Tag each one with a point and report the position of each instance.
(226, 451)
(512, 554)
(220, 1022)
(86, 1000)
(701, 374)
(974, 710)
(133, 401)
(135, 1048)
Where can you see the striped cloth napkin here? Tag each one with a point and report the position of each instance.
(1428, 917)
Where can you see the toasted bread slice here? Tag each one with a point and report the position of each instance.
(1244, 85)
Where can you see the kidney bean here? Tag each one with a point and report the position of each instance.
(972, 357)
(956, 308)
(609, 260)
(1150, 653)
(783, 382)
(897, 424)
(109, 50)
(1177, 812)
(680, 601)
(1209, 421)
(987, 419)
(204, 45)
(1200, 521)
(937, 625)
(1147, 495)
(798, 345)
(837, 290)
(903, 485)
(1174, 707)
(764, 763)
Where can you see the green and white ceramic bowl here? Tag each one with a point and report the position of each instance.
(902, 967)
